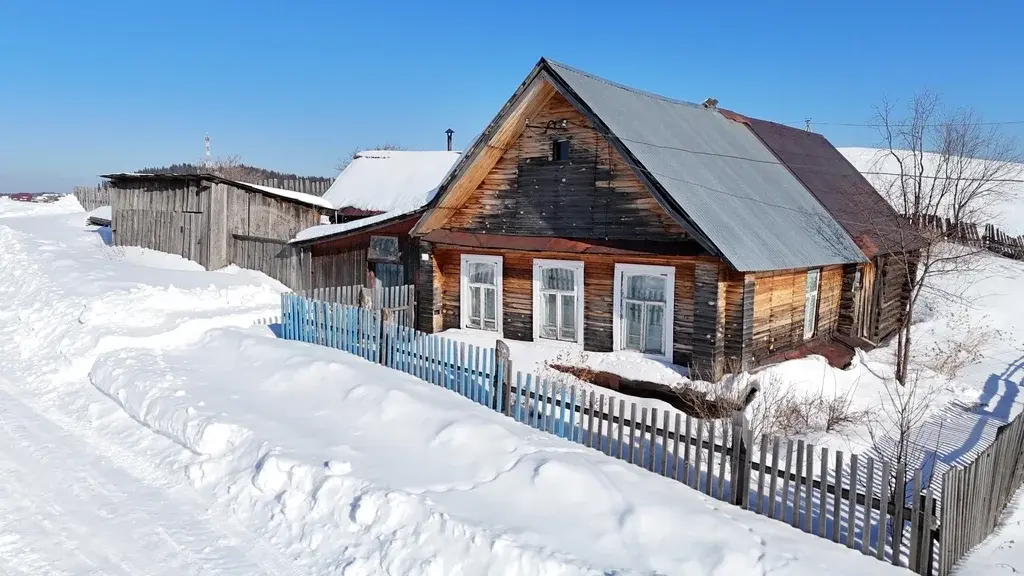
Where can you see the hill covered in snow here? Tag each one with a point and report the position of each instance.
(1007, 214)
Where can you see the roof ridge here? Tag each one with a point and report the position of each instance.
(612, 83)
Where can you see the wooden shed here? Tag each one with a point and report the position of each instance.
(595, 215)
(215, 221)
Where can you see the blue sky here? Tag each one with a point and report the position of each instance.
(109, 85)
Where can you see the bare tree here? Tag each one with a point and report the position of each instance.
(948, 164)
(232, 168)
(346, 160)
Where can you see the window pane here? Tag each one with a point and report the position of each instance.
(569, 317)
(654, 330)
(648, 288)
(474, 306)
(633, 321)
(812, 281)
(558, 279)
(481, 273)
(549, 315)
(490, 312)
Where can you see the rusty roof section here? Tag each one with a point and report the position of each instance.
(858, 207)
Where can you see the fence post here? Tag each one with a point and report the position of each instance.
(503, 358)
(740, 480)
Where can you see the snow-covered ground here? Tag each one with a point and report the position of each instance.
(152, 430)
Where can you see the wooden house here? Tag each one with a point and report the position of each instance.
(876, 293)
(214, 221)
(601, 216)
(378, 198)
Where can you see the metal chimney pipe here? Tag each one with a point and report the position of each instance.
(449, 132)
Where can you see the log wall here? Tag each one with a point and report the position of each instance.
(778, 322)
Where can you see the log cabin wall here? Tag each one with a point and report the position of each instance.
(893, 293)
(737, 324)
(343, 261)
(845, 320)
(779, 298)
(592, 194)
(598, 293)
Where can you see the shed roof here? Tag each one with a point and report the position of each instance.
(837, 184)
(720, 176)
(300, 197)
(390, 180)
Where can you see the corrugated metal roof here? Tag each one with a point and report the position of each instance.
(838, 185)
(731, 187)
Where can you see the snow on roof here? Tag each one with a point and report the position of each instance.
(389, 180)
(290, 194)
(103, 212)
(332, 229)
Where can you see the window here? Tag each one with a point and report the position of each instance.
(644, 297)
(480, 304)
(811, 302)
(560, 150)
(558, 300)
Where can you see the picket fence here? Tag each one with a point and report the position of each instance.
(863, 503)
(397, 303)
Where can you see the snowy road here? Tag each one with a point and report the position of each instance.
(66, 510)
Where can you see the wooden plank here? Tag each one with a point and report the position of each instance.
(674, 473)
(686, 450)
(915, 524)
(632, 432)
(851, 509)
(836, 501)
(760, 475)
(883, 511)
(664, 444)
(611, 421)
(695, 484)
(643, 436)
(590, 422)
(721, 460)
(809, 492)
(899, 496)
(785, 481)
(795, 521)
(710, 481)
(652, 454)
(869, 491)
(775, 466)
(622, 418)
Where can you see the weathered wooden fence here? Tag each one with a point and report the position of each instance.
(975, 496)
(92, 197)
(864, 504)
(397, 303)
(312, 185)
(986, 236)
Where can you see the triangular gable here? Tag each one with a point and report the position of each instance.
(711, 174)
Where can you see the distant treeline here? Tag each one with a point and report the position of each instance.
(253, 172)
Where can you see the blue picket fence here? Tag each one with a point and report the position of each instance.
(468, 370)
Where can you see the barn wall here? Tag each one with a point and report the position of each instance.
(167, 215)
(592, 194)
(257, 228)
(598, 293)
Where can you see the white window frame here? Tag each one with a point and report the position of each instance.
(577, 268)
(464, 291)
(670, 291)
(811, 303)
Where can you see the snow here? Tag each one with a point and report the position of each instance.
(390, 181)
(297, 196)
(1007, 214)
(151, 429)
(1002, 553)
(103, 213)
(323, 230)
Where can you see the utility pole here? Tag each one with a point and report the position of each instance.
(209, 160)
(807, 124)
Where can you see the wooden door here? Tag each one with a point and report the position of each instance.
(864, 301)
(192, 244)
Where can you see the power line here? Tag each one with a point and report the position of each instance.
(865, 125)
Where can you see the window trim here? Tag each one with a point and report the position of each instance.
(578, 273)
(808, 303)
(464, 291)
(670, 292)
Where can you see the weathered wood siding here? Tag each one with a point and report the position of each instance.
(737, 319)
(893, 293)
(592, 194)
(287, 264)
(778, 323)
(598, 294)
(343, 261)
(171, 216)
